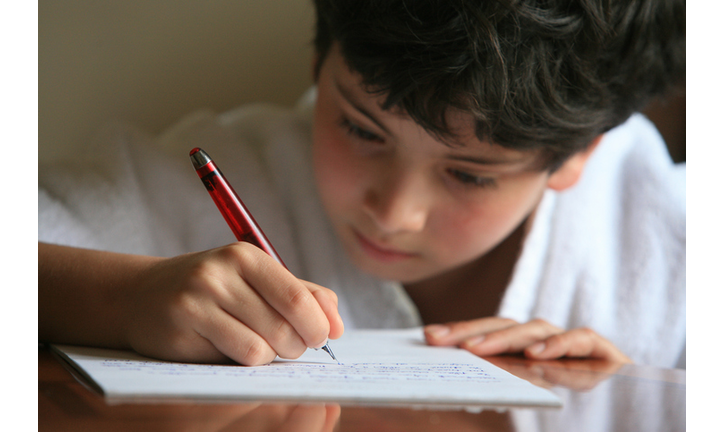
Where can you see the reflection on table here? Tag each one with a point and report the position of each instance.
(602, 396)
(597, 396)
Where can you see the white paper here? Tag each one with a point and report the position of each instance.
(377, 367)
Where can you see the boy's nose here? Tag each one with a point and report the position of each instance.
(398, 205)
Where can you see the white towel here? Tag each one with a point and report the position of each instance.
(610, 253)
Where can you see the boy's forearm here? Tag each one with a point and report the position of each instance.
(83, 294)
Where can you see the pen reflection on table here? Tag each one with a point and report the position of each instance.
(234, 211)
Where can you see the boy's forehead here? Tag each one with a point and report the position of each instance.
(462, 143)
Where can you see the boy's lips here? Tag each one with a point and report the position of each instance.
(379, 252)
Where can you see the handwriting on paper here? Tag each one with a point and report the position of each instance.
(367, 372)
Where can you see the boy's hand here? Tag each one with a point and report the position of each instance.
(536, 339)
(234, 302)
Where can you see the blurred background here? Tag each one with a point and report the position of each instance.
(152, 62)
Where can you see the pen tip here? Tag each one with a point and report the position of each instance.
(328, 350)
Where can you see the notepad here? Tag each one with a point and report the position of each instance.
(388, 367)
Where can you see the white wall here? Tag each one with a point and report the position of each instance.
(152, 61)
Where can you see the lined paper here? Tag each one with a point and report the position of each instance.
(377, 367)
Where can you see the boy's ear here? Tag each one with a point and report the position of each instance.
(570, 172)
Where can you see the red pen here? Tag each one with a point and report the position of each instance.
(235, 213)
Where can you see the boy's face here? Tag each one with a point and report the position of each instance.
(404, 205)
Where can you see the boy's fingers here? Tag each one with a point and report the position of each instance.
(511, 339)
(249, 308)
(286, 294)
(328, 301)
(457, 332)
(580, 342)
(235, 340)
(247, 305)
(537, 339)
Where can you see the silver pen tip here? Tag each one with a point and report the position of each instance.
(328, 350)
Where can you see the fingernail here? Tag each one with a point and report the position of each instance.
(437, 331)
(469, 343)
(537, 348)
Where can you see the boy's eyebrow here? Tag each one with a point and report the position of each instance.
(352, 101)
(483, 160)
(514, 159)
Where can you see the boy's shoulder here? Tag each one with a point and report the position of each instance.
(648, 180)
(271, 120)
(622, 229)
(630, 201)
(632, 168)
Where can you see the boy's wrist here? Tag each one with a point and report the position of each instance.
(85, 296)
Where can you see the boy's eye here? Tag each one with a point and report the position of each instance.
(471, 180)
(358, 132)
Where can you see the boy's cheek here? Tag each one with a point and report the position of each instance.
(459, 235)
(457, 246)
(336, 175)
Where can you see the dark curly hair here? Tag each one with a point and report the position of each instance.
(535, 74)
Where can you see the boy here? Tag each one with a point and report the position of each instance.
(436, 185)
